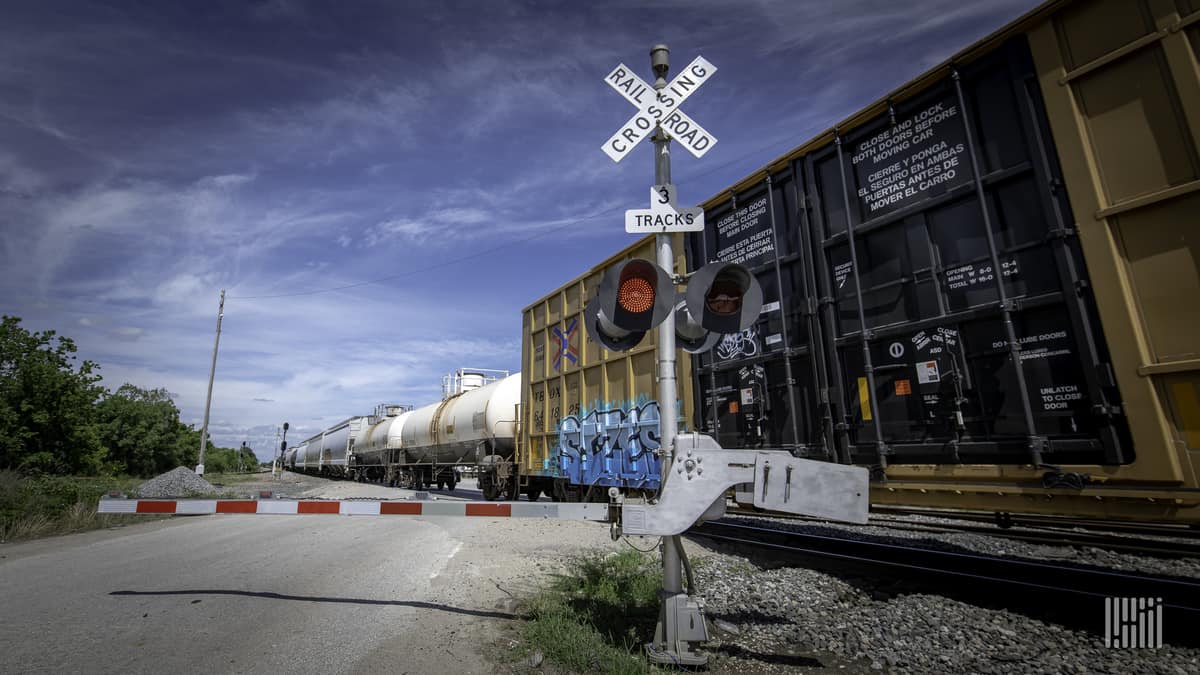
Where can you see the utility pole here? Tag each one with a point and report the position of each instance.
(212, 372)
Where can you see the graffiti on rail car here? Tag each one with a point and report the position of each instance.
(612, 444)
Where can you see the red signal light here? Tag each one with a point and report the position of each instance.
(635, 295)
(632, 297)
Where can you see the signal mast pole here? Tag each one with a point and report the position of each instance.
(668, 647)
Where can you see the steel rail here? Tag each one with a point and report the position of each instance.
(1036, 534)
(1053, 537)
(1183, 531)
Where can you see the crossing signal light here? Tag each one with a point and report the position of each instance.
(632, 298)
(637, 295)
(721, 298)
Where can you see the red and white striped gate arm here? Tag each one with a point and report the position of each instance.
(358, 507)
(692, 491)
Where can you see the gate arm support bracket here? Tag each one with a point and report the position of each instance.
(703, 471)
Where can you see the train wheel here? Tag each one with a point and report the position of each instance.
(441, 485)
(533, 494)
(450, 485)
(490, 492)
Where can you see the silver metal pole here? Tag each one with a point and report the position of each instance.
(212, 372)
(667, 393)
(667, 644)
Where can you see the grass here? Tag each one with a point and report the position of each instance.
(597, 617)
(42, 506)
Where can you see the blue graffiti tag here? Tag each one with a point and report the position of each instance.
(611, 445)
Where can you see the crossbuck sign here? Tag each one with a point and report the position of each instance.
(659, 107)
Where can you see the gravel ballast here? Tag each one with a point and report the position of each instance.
(790, 619)
(178, 482)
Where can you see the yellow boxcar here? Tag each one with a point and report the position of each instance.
(588, 413)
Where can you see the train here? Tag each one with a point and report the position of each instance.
(981, 286)
(473, 425)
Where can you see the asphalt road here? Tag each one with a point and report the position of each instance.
(295, 594)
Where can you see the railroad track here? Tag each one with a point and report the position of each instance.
(1049, 535)
(1006, 520)
(1010, 582)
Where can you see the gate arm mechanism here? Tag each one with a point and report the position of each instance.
(703, 471)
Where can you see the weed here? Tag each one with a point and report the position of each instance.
(596, 617)
(40, 506)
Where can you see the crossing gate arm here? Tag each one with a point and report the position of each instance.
(703, 471)
(694, 490)
(358, 507)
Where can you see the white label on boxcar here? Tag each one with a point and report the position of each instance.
(927, 372)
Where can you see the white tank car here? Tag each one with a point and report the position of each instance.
(372, 446)
(450, 432)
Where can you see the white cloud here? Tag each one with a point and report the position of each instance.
(18, 179)
(460, 216)
(403, 230)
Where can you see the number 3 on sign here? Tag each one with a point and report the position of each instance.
(664, 191)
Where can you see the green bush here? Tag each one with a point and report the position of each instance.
(32, 506)
(597, 617)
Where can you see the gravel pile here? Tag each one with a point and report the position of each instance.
(179, 482)
(785, 619)
(997, 546)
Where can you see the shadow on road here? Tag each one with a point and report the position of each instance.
(314, 598)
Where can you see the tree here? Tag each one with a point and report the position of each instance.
(187, 446)
(247, 460)
(46, 404)
(220, 460)
(140, 428)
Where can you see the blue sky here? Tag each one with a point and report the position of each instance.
(437, 163)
